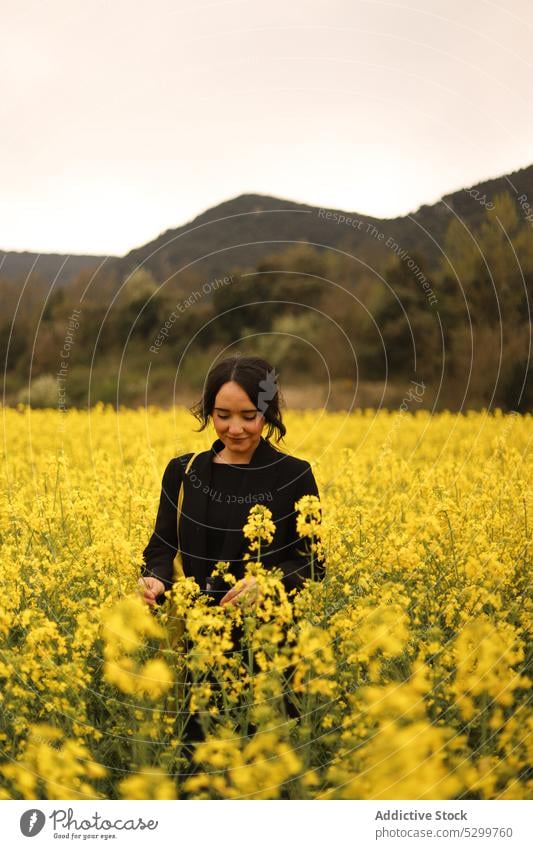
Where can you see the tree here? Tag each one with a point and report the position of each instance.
(409, 326)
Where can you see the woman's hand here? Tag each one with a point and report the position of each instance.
(151, 587)
(244, 592)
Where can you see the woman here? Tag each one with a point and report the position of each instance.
(241, 469)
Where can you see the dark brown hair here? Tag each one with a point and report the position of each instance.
(257, 378)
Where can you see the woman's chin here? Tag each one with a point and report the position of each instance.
(242, 445)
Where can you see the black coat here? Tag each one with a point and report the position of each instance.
(273, 478)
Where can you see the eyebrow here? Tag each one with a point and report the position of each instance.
(225, 410)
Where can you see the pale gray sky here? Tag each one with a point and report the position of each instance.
(123, 119)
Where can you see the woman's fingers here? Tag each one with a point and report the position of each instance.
(150, 598)
(245, 590)
(230, 596)
(151, 588)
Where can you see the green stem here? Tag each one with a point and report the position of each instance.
(484, 722)
(453, 545)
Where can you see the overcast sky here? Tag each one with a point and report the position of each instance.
(123, 119)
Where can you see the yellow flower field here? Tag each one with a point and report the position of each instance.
(407, 665)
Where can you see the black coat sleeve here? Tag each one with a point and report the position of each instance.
(297, 565)
(159, 554)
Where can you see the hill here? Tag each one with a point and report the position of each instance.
(16, 265)
(240, 232)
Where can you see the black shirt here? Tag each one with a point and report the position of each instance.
(222, 518)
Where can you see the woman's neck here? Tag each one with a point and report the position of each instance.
(235, 458)
(229, 461)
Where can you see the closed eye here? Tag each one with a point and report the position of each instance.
(246, 418)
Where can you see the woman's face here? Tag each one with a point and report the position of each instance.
(237, 421)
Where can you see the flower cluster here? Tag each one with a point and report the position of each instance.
(259, 527)
(308, 520)
(125, 628)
